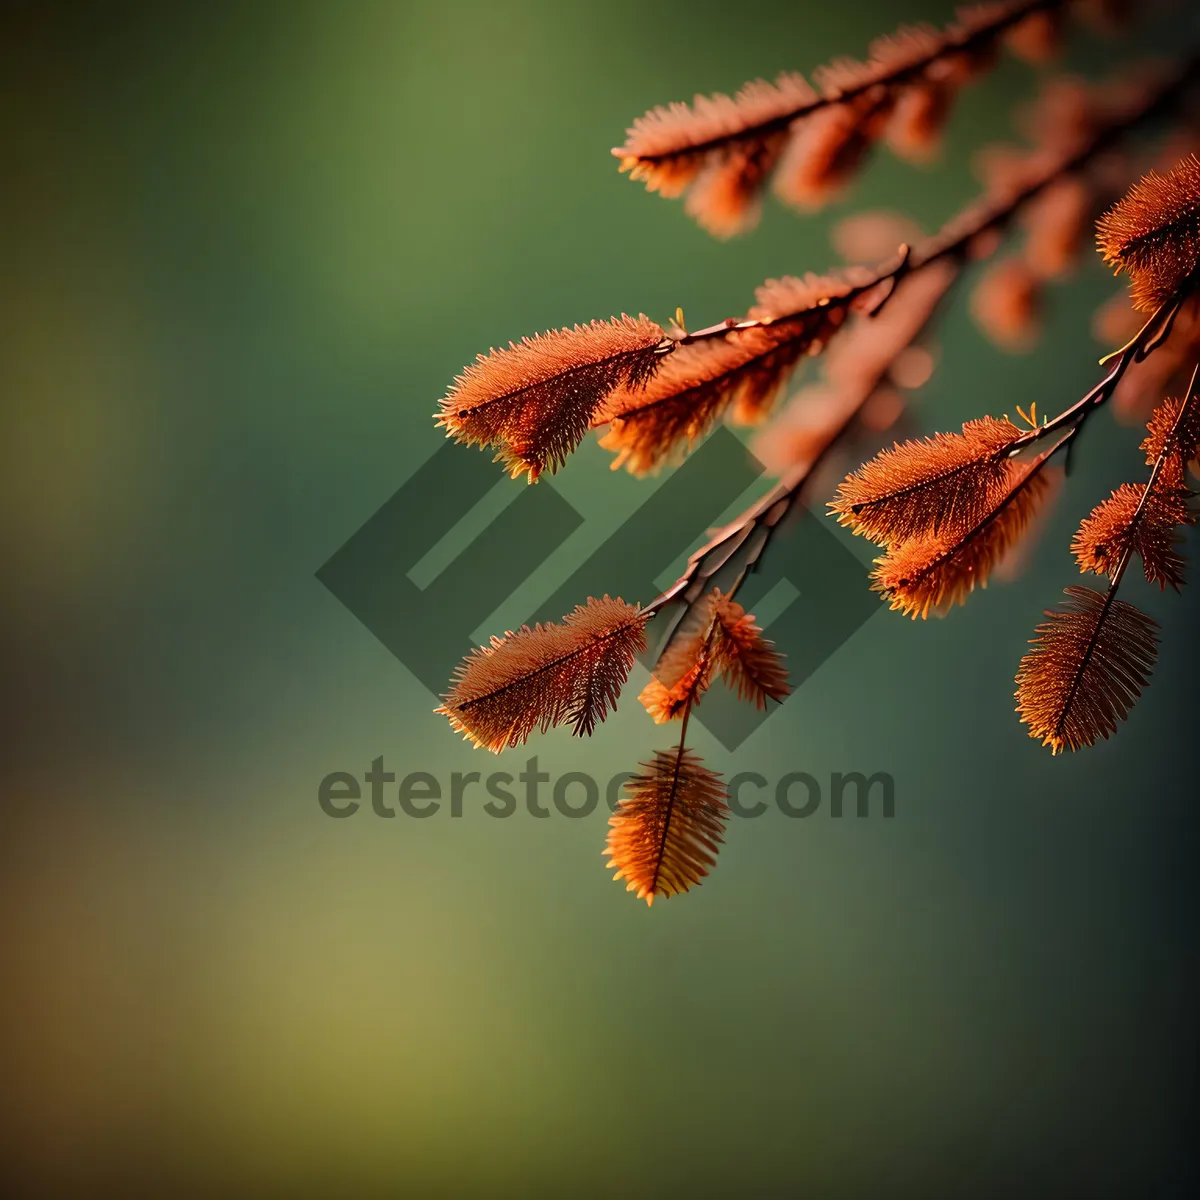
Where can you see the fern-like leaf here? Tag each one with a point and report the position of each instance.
(666, 833)
(1123, 523)
(718, 637)
(935, 573)
(685, 670)
(1170, 435)
(1086, 669)
(721, 149)
(546, 676)
(534, 401)
(749, 662)
(1153, 234)
(745, 370)
(936, 487)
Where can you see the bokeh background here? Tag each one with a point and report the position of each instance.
(245, 248)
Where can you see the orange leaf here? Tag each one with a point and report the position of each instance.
(1123, 523)
(686, 668)
(749, 663)
(940, 486)
(546, 676)
(535, 401)
(935, 573)
(664, 837)
(746, 368)
(1153, 234)
(1167, 432)
(1086, 670)
(721, 149)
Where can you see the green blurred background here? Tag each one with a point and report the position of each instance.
(245, 249)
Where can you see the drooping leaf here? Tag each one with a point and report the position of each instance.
(686, 668)
(935, 487)
(1150, 530)
(534, 401)
(748, 662)
(1086, 670)
(718, 638)
(721, 149)
(1153, 234)
(664, 837)
(933, 573)
(546, 676)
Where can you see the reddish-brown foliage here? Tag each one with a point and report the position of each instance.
(722, 149)
(872, 236)
(719, 638)
(545, 676)
(951, 510)
(535, 401)
(1144, 519)
(687, 666)
(1038, 38)
(744, 369)
(664, 837)
(935, 573)
(1125, 523)
(857, 396)
(918, 116)
(1006, 304)
(1172, 431)
(1087, 668)
(827, 150)
(940, 486)
(1057, 222)
(750, 664)
(1153, 234)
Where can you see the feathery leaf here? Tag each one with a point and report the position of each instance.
(828, 148)
(535, 401)
(749, 662)
(1154, 234)
(1167, 432)
(1144, 519)
(1086, 669)
(1123, 523)
(721, 149)
(664, 837)
(940, 486)
(718, 637)
(933, 573)
(685, 670)
(745, 369)
(546, 676)
(1006, 304)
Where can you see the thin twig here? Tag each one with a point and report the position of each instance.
(1144, 342)
(769, 512)
(1114, 580)
(948, 44)
(954, 239)
(1190, 396)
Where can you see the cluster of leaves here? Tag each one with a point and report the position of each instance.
(948, 509)
(1093, 656)
(664, 835)
(811, 138)
(949, 512)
